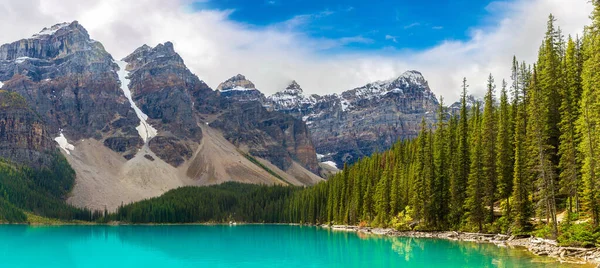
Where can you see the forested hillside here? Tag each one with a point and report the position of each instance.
(530, 154)
(41, 191)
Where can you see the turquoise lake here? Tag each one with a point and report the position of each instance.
(240, 246)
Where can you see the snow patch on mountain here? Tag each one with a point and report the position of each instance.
(20, 60)
(237, 88)
(330, 163)
(64, 143)
(52, 30)
(145, 130)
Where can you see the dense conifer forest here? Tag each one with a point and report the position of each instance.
(40, 191)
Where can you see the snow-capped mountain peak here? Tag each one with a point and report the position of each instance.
(237, 82)
(53, 29)
(291, 97)
(240, 89)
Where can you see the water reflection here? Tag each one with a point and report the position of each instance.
(240, 246)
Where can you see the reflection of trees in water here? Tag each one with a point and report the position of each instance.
(403, 247)
(266, 244)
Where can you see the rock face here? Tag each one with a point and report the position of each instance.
(164, 89)
(24, 138)
(238, 88)
(72, 83)
(277, 137)
(363, 120)
(356, 123)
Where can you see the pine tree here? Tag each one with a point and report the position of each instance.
(521, 186)
(459, 184)
(441, 179)
(569, 175)
(505, 154)
(540, 164)
(476, 188)
(419, 198)
(549, 80)
(588, 123)
(382, 197)
(488, 144)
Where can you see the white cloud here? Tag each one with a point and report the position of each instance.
(412, 25)
(390, 37)
(216, 48)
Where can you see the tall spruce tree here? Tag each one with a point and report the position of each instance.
(504, 145)
(419, 198)
(569, 109)
(441, 187)
(459, 183)
(488, 144)
(540, 164)
(588, 124)
(476, 186)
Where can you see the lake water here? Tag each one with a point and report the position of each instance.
(240, 246)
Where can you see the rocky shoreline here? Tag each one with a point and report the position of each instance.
(537, 246)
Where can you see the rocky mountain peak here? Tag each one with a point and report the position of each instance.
(394, 109)
(471, 101)
(413, 76)
(60, 29)
(291, 98)
(238, 88)
(163, 54)
(237, 82)
(55, 51)
(293, 88)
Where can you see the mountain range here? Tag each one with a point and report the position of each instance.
(137, 127)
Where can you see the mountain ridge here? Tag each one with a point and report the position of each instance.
(135, 128)
(357, 122)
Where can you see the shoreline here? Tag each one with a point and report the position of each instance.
(537, 246)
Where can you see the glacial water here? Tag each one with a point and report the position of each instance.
(240, 246)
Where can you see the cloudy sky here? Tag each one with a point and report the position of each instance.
(326, 45)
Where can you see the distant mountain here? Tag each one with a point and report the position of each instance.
(471, 101)
(238, 88)
(134, 128)
(357, 122)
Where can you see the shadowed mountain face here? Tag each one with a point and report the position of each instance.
(24, 137)
(135, 128)
(357, 122)
(71, 81)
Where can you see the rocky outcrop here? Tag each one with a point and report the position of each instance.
(238, 88)
(24, 138)
(164, 89)
(71, 82)
(363, 120)
(171, 150)
(279, 138)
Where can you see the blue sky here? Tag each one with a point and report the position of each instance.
(327, 46)
(364, 25)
